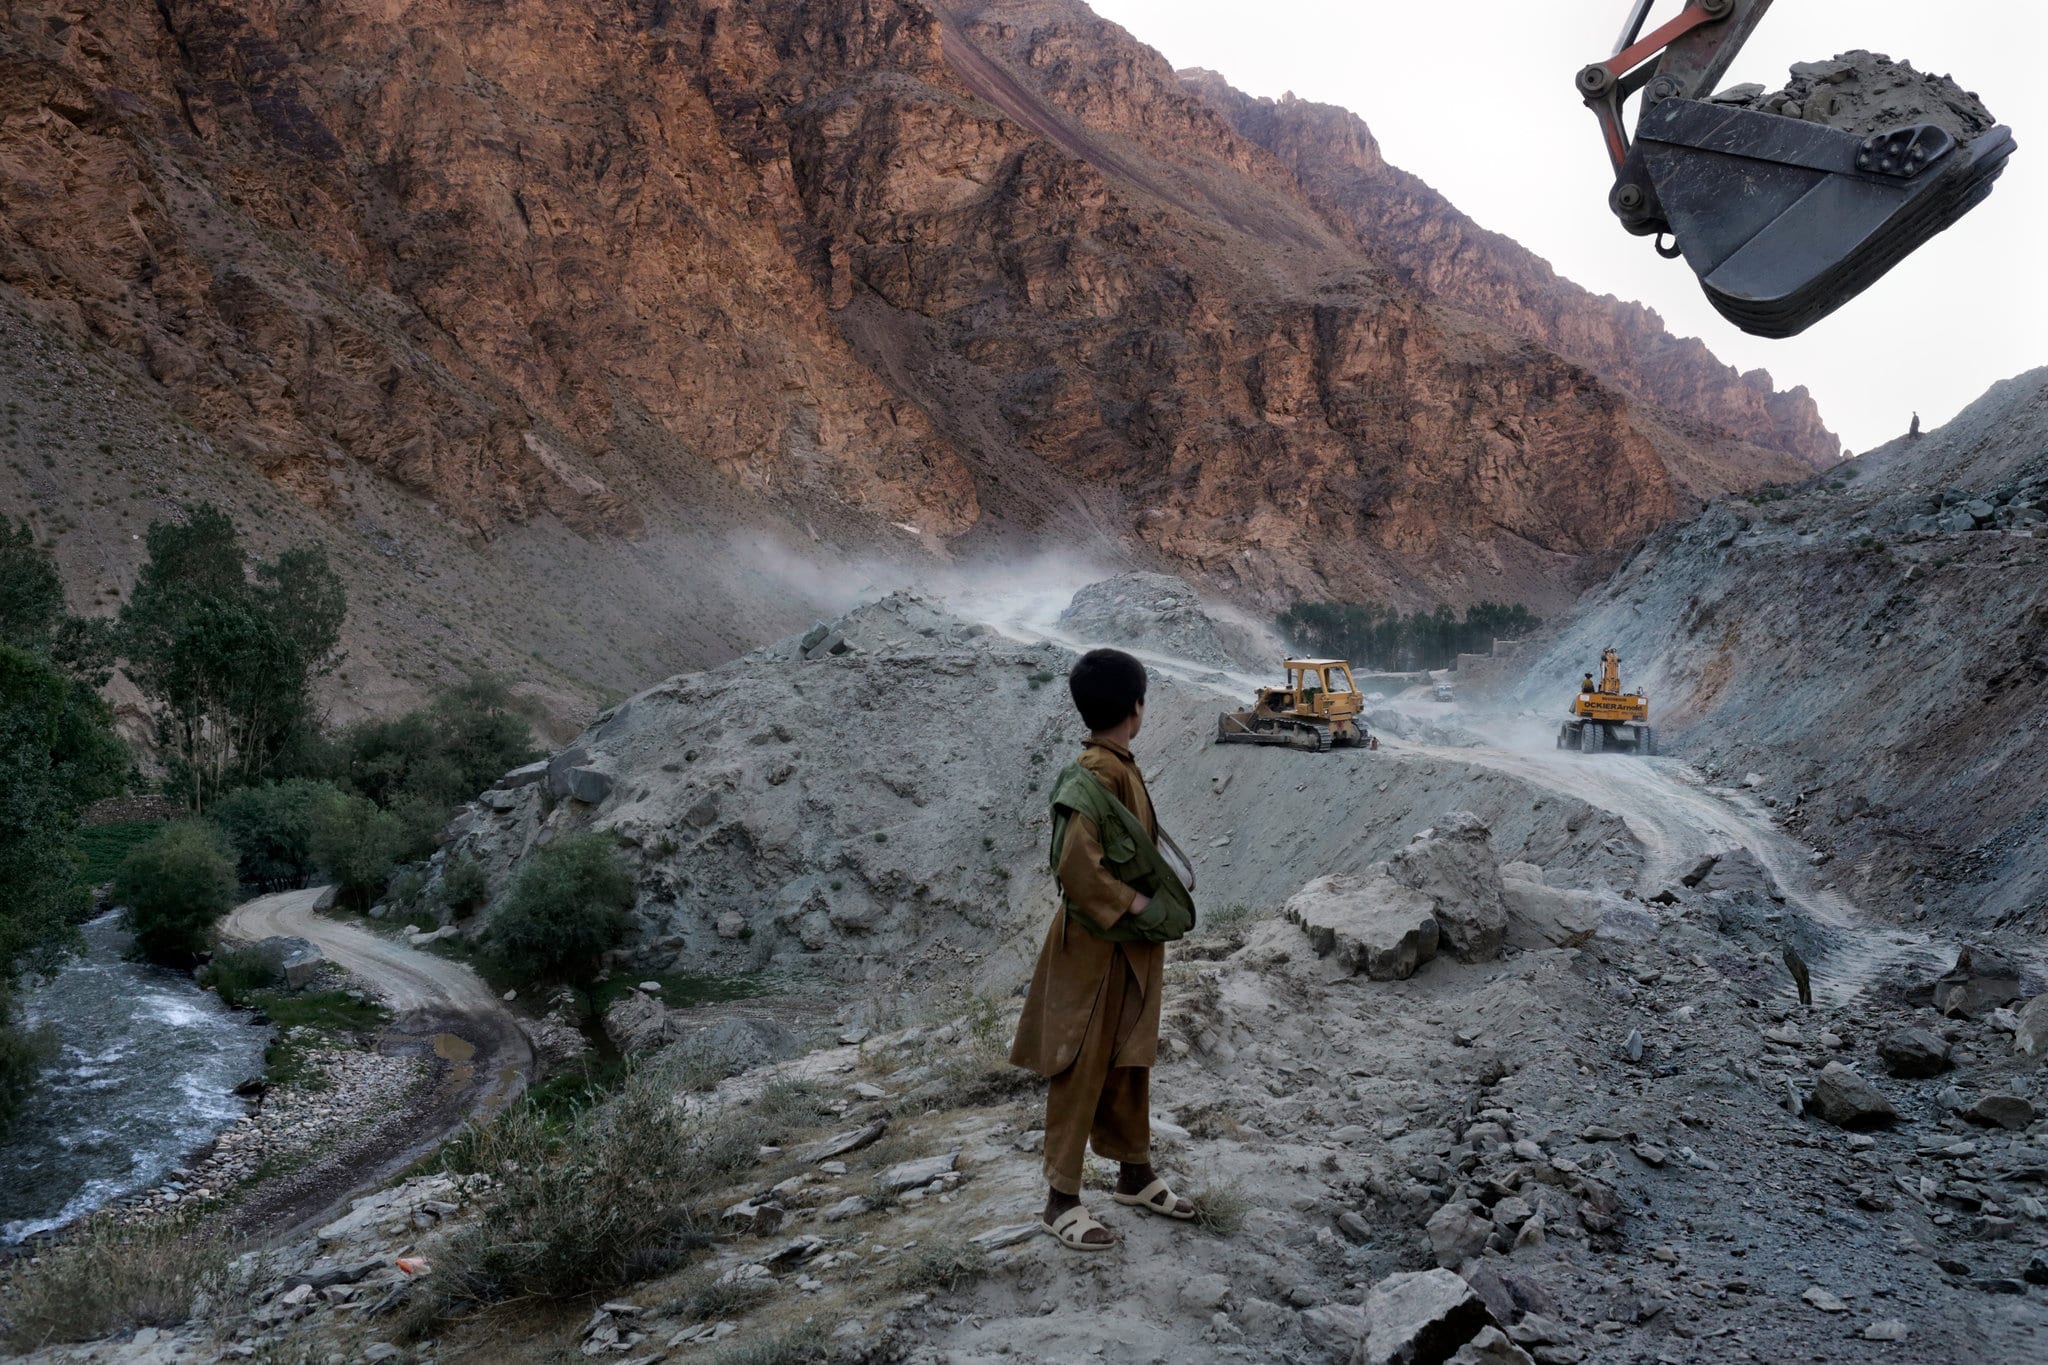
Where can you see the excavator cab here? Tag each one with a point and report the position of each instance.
(1784, 220)
(1602, 716)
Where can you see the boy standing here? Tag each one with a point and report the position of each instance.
(1091, 1018)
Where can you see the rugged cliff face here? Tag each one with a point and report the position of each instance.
(992, 275)
(1447, 257)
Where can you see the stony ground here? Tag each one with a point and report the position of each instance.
(1586, 1092)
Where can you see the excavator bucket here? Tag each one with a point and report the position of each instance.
(1784, 221)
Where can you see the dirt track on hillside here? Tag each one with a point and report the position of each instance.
(481, 1058)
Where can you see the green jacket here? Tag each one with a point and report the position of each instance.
(1133, 858)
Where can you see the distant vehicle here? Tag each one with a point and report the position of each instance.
(1316, 710)
(1443, 692)
(1605, 717)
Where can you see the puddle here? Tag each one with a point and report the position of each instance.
(452, 1048)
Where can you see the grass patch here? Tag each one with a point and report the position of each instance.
(111, 1280)
(237, 975)
(595, 1197)
(945, 1267)
(308, 1021)
(700, 1297)
(1219, 1210)
(804, 1345)
(1229, 919)
(106, 845)
(679, 990)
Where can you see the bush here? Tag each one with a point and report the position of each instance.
(175, 887)
(271, 828)
(1219, 1210)
(464, 886)
(943, 1267)
(567, 906)
(111, 1279)
(357, 845)
(24, 1052)
(443, 755)
(238, 974)
(623, 1209)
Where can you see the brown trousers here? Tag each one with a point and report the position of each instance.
(1093, 1100)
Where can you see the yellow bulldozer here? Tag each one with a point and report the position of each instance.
(1317, 709)
(1605, 717)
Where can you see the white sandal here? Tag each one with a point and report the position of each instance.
(1074, 1225)
(1158, 1198)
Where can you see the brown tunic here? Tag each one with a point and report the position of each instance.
(1073, 965)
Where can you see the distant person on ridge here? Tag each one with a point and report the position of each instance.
(1091, 1019)
(1915, 429)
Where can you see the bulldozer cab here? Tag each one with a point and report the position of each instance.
(1319, 687)
(1316, 710)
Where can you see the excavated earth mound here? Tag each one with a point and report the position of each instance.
(1867, 92)
(868, 802)
(1158, 613)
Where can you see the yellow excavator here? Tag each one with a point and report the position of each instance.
(1317, 709)
(1605, 717)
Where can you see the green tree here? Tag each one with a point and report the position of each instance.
(271, 829)
(31, 598)
(228, 658)
(444, 754)
(356, 844)
(567, 906)
(175, 889)
(58, 753)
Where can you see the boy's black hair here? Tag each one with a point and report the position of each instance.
(1107, 685)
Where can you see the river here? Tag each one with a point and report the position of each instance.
(143, 1073)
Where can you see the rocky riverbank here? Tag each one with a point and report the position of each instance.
(341, 1094)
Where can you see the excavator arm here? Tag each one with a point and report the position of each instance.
(1782, 219)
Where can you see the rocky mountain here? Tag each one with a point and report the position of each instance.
(1872, 646)
(590, 292)
(1440, 252)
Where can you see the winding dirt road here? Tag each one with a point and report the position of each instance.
(479, 1057)
(404, 978)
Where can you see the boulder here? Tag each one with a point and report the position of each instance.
(1914, 1053)
(295, 960)
(1542, 916)
(637, 1022)
(1845, 1099)
(588, 785)
(1371, 924)
(1736, 872)
(1491, 1347)
(909, 1175)
(850, 1141)
(1335, 1328)
(2031, 1034)
(559, 767)
(523, 776)
(1978, 983)
(1458, 1232)
(1420, 1317)
(2010, 1112)
(1454, 866)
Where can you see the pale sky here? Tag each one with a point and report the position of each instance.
(1477, 99)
